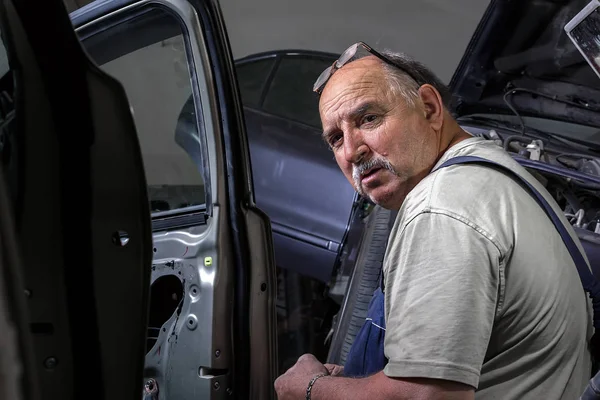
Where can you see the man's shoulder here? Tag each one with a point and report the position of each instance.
(460, 187)
(471, 193)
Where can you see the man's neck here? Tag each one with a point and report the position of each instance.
(458, 137)
(454, 134)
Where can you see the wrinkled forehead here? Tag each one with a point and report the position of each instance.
(359, 81)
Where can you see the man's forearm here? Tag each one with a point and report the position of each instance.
(291, 385)
(381, 387)
(340, 388)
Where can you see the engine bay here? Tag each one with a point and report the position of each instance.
(570, 173)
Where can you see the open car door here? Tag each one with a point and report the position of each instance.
(147, 268)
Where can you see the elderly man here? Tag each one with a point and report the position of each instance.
(482, 298)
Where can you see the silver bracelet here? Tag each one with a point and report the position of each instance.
(311, 383)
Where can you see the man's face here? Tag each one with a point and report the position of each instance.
(383, 146)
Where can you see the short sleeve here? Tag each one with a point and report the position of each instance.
(441, 291)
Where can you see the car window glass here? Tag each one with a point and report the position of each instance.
(147, 55)
(290, 95)
(252, 78)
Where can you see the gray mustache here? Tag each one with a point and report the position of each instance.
(363, 166)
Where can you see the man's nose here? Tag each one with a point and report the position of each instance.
(355, 149)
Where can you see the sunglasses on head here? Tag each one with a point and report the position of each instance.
(346, 56)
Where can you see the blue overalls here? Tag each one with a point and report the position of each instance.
(366, 356)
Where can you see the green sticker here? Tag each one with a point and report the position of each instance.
(207, 261)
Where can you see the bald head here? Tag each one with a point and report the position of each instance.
(364, 71)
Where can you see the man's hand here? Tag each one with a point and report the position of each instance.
(292, 385)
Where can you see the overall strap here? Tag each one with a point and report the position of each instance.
(589, 282)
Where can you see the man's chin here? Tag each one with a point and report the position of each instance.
(383, 201)
(383, 196)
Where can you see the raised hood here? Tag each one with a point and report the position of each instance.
(521, 57)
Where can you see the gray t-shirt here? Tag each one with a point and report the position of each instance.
(480, 288)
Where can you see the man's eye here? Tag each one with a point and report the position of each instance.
(369, 118)
(335, 140)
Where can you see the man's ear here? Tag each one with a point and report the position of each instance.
(432, 105)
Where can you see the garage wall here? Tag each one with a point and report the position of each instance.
(435, 32)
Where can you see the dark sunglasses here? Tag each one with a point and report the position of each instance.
(347, 56)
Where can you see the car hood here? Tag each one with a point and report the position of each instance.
(521, 58)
